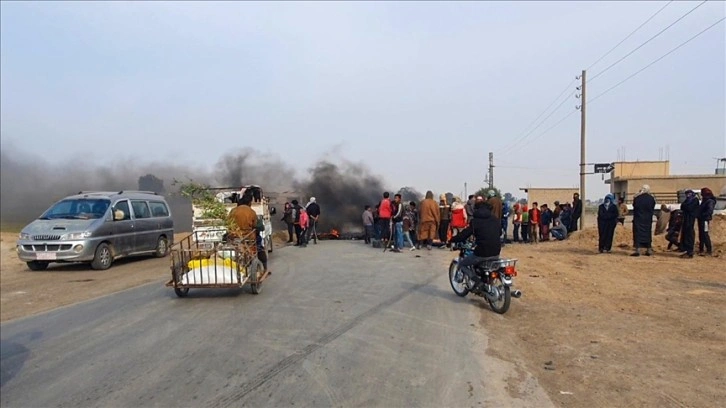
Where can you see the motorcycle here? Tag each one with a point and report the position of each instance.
(491, 279)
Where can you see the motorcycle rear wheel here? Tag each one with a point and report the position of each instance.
(501, 304)
(459, 288)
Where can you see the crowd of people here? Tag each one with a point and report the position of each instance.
(539, 222)
(678, 225)
(412, 225)
(301, 221)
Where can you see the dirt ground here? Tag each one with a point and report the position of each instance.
(596, 329)
(610, 330)
(24, 292)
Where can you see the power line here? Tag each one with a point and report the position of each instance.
(649, 40)
(629, 35)
(540, 124)
(652, 63)
(516, 139)
(554, 125)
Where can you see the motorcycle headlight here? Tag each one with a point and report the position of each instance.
(24, 236)
(77, 235)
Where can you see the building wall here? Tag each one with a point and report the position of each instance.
(550, 195)
(641, 169)
(665, 188)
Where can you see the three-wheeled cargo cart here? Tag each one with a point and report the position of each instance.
(200, 264)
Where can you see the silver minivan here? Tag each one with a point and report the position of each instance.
(98, 227)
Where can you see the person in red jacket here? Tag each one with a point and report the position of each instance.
(384, 218)
(458, 217)
(534, 217)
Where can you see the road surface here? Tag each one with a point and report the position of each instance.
(336, 324)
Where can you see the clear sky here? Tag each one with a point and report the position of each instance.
(419, 92)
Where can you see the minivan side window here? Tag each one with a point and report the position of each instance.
(158, 209)
(141, 209)
(122, 207)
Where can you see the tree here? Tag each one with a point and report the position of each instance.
(410, 194)
(485, 190)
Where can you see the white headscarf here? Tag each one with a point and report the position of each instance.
(645, 189)
(312, 200)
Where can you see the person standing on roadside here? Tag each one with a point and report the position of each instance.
(414, 223)
(623, 211)
(304, 222)
(576, 212)
(516, 221)
(445, 217)
(689, 208)
(367, 218)
(607, 220)
(469, 207)
(429, 220)
(313, 210)
(384, 218)
(643, 211)
(296, 208)
(289, 220)
(397, 221)
(705, 215)
(534, 219)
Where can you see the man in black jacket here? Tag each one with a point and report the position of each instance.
(313, 210)
(486, 229)
(690, 213)
(705, 215)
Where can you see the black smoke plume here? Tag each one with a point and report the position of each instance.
(341, 190)
(29, 184)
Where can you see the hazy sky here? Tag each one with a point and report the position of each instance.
(420, 92)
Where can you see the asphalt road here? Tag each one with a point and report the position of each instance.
(336, 324)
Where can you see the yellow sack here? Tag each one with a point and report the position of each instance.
(230, 263)
(198, 263)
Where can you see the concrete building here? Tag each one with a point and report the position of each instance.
(627, 178)
(549, 195)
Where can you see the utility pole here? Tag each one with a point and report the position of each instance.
(491, 170)
(583, 99)
(466, 193)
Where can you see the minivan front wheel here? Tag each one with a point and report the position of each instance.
(103, 258)
(162, 247)
(37, 265)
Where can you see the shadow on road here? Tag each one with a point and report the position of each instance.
(13, 355)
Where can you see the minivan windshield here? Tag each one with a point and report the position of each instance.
(77, 209)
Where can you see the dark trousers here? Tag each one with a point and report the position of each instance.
(385, 226)
(290, 230)
(444, 230)
(525, 232)
(573, 224)
(414, 237)
(368, 233)
(299, 234)
(606, 233)
(515, 232)
(688, 240)
(704, 239)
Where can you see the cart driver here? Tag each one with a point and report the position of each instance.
(245, 218)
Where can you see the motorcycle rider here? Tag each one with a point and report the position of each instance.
(486, 229)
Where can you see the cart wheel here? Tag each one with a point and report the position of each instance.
(257, 270)
(181, 292)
